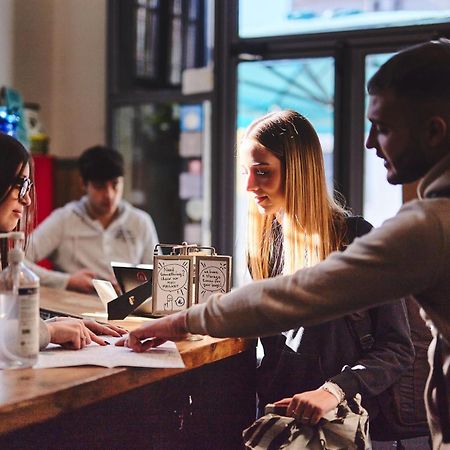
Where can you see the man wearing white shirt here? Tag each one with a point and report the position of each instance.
(83, 237)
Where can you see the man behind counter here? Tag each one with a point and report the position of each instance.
(83, 237)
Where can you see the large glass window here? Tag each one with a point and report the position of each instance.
(147, 135)
(381, 200)
(304, 85)
(167, 166)
(259, 18)
(159, 118)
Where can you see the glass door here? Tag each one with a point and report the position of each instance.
(166, 147)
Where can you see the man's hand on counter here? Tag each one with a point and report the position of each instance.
(156, 332)
(81, 281)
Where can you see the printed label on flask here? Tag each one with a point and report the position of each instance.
(28, 321)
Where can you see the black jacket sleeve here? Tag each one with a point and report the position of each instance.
(391, 354)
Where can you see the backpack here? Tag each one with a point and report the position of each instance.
(402, 413)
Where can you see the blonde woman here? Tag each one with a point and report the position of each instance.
(294, 223)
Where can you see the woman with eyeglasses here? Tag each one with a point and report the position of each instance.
(17, 206)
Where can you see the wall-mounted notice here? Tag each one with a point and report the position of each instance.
(213, 274)
(172, 281)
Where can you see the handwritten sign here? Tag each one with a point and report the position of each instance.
(213, 275)
(172, 284)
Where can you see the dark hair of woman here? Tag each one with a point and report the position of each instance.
(14, 159)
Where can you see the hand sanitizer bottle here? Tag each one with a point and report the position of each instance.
(19, 310)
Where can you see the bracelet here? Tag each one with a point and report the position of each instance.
(334, 389)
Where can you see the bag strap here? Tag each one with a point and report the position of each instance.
(361, 323)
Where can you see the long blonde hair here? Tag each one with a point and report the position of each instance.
(313, 223)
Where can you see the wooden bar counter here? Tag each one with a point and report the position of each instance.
(204, 406)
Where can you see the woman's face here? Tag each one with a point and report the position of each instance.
(264, 178)
(12, 207)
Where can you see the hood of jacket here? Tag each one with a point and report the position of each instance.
(436, 182)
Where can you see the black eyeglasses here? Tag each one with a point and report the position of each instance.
(24, 184)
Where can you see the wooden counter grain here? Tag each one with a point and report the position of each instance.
(33, 396)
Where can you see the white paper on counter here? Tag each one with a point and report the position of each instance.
(164, 356)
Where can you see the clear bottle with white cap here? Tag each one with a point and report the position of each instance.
(19, 309)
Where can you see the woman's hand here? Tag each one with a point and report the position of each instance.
(104, 328)
(76, 333)
(156, 332)
(309, 407)
(71, 333)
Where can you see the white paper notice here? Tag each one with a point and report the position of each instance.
(164, 356)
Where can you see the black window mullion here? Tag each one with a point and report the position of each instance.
(223, 130)
(349, 126)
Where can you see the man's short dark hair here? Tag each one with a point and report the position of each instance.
(421, 72)
(100, 163)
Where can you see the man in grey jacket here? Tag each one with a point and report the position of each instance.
(83, 237)
(409, 254)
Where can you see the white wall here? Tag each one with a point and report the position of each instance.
(59, 62)
(6, 42)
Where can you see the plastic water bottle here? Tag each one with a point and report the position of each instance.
(19, 310)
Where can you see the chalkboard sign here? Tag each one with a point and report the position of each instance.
(212, 275)
(172, 284)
